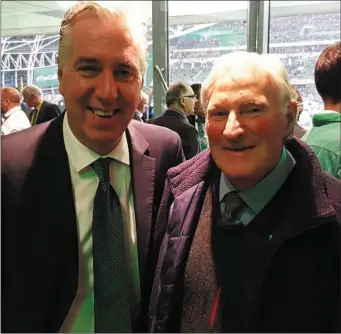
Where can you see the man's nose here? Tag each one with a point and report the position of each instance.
(233, 128)
(106, 88)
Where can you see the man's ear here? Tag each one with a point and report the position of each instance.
(181, 102)
(60, 76)
(291, 117)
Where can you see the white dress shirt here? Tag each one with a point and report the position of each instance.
(84, 183)
(14, 120)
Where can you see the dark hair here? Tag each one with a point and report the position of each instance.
(175, 91)
(328, 74)
(196, 89)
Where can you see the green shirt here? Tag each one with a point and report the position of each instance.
(259, 195)
(324, 140)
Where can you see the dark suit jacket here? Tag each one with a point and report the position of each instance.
(179, 123)
(39, 231)
(47, 112)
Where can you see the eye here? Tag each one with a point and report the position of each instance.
(88, 70)
(218, 113)
(123, 73)
(253, 110)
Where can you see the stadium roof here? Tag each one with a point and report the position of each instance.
(23, 18)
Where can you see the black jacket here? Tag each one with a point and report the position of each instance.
(48, 111)
(179, 123)
(289, 283)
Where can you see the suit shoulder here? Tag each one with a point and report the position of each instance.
(50, 104)
(17, 148)
(153, 132)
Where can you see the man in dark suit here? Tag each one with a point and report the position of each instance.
(81, 192)
(43, 111)
(180, 101)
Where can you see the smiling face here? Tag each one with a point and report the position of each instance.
(100, 80)
(246, 127)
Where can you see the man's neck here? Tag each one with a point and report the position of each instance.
(333, 107)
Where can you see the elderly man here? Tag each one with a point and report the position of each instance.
(80, 194)
(13, 118)
(180, 101)
(43, 111)
(142, 108)
(253, 236)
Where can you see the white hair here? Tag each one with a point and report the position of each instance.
(32, 90)
(233, 64)
(136, 28)
(145, 95)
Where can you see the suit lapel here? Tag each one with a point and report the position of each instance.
(143, 179)
(59, 210)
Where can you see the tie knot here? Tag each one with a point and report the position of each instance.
(101, 167)
(233, 203)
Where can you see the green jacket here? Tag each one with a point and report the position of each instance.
(324, 139)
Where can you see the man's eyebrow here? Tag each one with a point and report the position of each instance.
(128, 65)
(87, 60)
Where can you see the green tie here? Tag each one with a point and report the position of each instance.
(34, 117)
(111, 303)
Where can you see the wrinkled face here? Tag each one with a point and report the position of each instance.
(246, 127)
(100, 81)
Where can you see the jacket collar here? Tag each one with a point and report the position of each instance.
(309, 197)
(171, 112)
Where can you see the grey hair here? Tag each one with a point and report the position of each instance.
(135, 27)
(32, 90)
(233, 63)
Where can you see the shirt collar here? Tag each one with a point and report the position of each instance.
(39, 105)
(11, 111)
(328, 116)
(81, 157)
(260, 194)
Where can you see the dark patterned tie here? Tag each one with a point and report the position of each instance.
(111, 303)
(233, 203)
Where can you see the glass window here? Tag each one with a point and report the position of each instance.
(201, 31)
(29, 42)
(299, 31)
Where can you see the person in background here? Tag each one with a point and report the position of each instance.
(199, 117)
(80, 193)
(324, 137)
(180, 101)
(13, 118)
(43, 111)
(253, 236)
(298, 130)
(142, 108)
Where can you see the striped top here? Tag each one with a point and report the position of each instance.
(324, 139)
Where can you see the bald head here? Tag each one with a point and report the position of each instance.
(10, 98)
